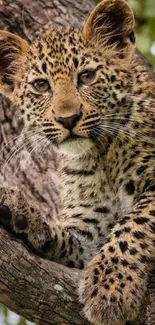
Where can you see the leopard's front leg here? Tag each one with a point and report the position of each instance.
(25, 221)
(63, 242)
(115, 281)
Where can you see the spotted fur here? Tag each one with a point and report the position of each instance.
(104, 133)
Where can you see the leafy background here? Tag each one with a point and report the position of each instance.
(145, 27)
(145, 34)
(144, 11)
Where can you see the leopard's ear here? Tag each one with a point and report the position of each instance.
(111, 23)
(13, 50)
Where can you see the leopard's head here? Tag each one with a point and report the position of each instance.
(70, 84)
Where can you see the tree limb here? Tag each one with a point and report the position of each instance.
(42, 291)
(45, 292)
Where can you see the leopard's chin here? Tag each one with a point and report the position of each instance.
(76, 147)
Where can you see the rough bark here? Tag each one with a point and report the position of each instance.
(39, 290)
(35, 174)
(42, 291)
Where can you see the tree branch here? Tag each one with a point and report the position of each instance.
(42, 291)
(46, 292)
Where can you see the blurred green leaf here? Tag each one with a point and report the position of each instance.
(149, 8)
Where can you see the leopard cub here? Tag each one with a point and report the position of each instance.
(89, 97)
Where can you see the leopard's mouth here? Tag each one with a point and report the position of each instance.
(75, 145)
(73, 137)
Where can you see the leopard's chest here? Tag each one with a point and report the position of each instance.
(88, 193)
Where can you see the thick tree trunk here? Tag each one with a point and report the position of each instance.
(34, 174)
(39, 290)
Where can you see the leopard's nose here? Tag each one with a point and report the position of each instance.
(69, 122)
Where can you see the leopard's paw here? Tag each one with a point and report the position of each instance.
(26, 222)
(111, 291)
(13, 209)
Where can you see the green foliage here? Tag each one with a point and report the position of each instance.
(145, 26)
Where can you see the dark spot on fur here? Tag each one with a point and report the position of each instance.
(124, 220)
(94, 293)
(96, 271)
(130, 187)
(152, 227)
(118, 233)
(138, 234)
(123, 246)
(152, 213)
(141, 220)
(111, 249)
(44, 67)
(129, 278)
(145, 259)
(108, 271)
(124, 262)
(141, 169)
(143, 246)
(91, 220)
(122, 285)
(114, 260)
(102, 210)
(76, 62)
(133, 267)
(133, 251)
(95, 279)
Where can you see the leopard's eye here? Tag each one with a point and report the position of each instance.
(41, 85)
(86, 77)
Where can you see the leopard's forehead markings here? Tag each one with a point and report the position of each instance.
(59, 51)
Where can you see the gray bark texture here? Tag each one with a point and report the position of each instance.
(40, 290)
